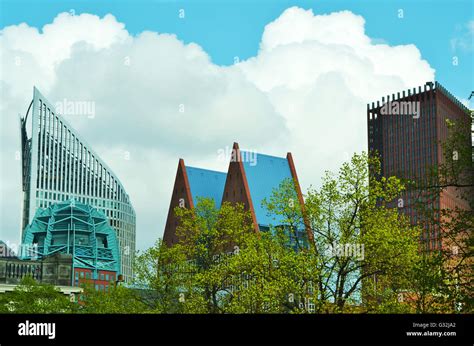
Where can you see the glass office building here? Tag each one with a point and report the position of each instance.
(58, 165)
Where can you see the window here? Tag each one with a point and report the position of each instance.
(82, 275)
(88, 275)
(107, 277)
(311, 306)
(102, 276)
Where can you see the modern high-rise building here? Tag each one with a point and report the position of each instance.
(58, 165)
(407, 130)
(251, 177)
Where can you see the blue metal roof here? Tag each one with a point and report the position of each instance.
(206, 183)
(263, 176)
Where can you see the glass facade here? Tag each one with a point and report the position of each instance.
(59, 165)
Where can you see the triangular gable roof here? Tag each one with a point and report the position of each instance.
(181, 192)
(236, 188)
(191, 183)
(246, 181)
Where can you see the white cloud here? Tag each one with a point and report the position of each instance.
(306, 92)
(465, 37)
(320, 71)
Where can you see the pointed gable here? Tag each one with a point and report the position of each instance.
(181, 193)
(191, 183)
(236, 188)
(249, 180)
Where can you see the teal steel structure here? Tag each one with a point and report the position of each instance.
(74, 228)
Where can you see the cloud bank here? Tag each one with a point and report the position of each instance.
(157, 99)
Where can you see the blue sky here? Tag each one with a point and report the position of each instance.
(234, 28)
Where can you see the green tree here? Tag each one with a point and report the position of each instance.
(449, 284)
(426, 284)
(187, 277)
(31, 297)
(284, 207)
(276, 278)
(116, 300)
(164, 275)
(208, 236)
(359, 239)
(221, 265)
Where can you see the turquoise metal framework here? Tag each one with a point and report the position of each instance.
(59, 165)
(74, 228)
